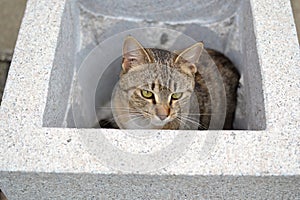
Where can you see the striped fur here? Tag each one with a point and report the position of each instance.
(164, 73)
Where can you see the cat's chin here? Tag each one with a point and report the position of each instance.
(143, 124)
(146, 126)
(159, 123)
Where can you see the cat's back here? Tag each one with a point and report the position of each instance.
(214, 64)
(226, 68)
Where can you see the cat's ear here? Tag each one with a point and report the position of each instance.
(133, 53)
(189, 57)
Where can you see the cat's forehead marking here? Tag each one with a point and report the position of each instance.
(156, 86)
(161, 56)
(171, 81)
(152, 86)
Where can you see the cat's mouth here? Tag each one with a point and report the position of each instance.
(158, 121)
(147, 123)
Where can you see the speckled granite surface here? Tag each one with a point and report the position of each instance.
(101, 186)
(256, 164)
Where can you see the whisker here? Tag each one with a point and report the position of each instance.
(112, 119)
(181, 121)
(133, 119)
(106, 122)
(136, 111)
(194, 122)
(109, 107)
(199, 114)
(202, 126)
(126, 114)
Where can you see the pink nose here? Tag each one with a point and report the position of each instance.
(162, 112)
(162, 117)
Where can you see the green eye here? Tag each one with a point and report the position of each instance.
(176, 96)
(147, 94)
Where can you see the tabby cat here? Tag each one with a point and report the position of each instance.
(159, 89)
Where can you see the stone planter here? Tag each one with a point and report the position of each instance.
(45, 157)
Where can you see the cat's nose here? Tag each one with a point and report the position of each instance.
(162, 112)
(162, 117)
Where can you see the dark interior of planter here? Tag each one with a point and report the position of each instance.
(226, 26)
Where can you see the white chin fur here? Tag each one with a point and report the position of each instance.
(154, 123)
(158, 122)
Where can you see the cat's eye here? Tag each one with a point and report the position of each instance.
(177, 95)
(147, 94)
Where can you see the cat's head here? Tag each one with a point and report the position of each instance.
(157, 84)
